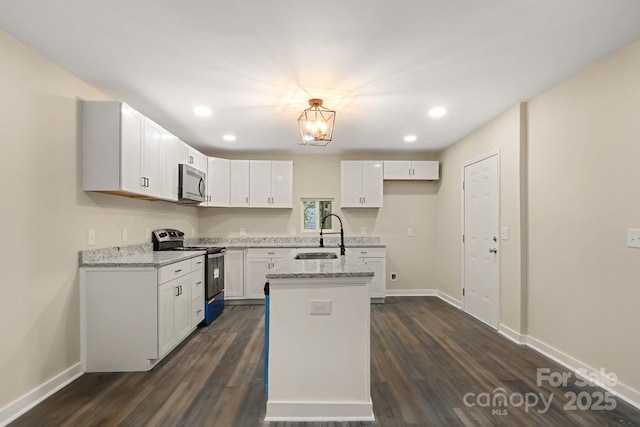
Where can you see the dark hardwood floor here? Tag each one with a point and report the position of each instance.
(429, 363)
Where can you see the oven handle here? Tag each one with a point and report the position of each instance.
(219, 255)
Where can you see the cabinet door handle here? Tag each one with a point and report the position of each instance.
(364, 200)
(177, 291)
(178, 271)
(199, 283)
(246, 200)
(363, 252)
(199, 311)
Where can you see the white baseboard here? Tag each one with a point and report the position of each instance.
(449, 299)
(319, 411)
(622, 391)
(18, 407)
(411, 293)
(514, 336)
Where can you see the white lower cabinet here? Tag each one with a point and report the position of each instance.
(376, 259)
(234, 274)
(246, 270)
(257, 264)
(130, 318)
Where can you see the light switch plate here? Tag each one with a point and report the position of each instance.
(243, 232)
(91, 237)
(410, 232)
(633, 237)
(504, 233)
(125, 235)
(363, 230)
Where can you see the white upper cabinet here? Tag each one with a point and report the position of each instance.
(218, 187)
(120, 150)
(239, 183)
(413, 170)
(151, 158)
(361, 184)
(192, 157)
(169, 166)
(271, 183)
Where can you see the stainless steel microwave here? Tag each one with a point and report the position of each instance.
(191, 185)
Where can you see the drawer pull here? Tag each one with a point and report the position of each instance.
(199, 311)
(178, 271)
(199, 283)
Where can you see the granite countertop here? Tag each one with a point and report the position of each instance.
(133, 256)
(319, 268)
(143, 255)
(286, 242)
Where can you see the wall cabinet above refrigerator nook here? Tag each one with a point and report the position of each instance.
(411, 170)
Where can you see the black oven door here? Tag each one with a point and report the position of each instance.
(215, 275)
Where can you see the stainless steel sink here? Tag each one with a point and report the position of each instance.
(316, 255)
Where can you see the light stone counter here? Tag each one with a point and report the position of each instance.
(286, 242)
(319, 268)
(133, 256)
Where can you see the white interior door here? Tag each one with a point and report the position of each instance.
(481, 224)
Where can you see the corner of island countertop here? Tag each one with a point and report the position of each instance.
(341, 267)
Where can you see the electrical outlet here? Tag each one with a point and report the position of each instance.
(293, 231)
(633, 237)
(394, 276)
(363, 230)
(91, 237)
(322, 307)
(125, 235)
(243, 232)
(410, 232)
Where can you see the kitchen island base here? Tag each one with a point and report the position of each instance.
(319, 349)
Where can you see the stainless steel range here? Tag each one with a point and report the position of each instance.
(173, 240)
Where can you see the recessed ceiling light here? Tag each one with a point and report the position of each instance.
(202, 111)
(410, 138)
(229, 138)
(437, 112)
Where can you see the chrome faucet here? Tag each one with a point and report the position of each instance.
(342, 250)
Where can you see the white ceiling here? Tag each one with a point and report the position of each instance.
(381, 64)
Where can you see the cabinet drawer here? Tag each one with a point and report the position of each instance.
(366, 252)
(197, 311)
(197, 284)
(197, 262)
(268, 252)
(171, 271)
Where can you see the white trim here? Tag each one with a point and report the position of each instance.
(511, 334)
(487, 155)
(318, 411)
(450, 300)
(18, 407)
(622, 391)
(411, 292)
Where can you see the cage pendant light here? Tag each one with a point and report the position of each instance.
(316, 124)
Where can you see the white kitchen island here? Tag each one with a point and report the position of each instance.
(319, 341)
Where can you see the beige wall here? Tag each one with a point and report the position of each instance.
(406, 204)
(503, 134)
(45, 218)
(584, 180)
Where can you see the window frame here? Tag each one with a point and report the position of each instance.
(317, 200)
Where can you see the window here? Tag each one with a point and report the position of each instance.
(313, 210)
